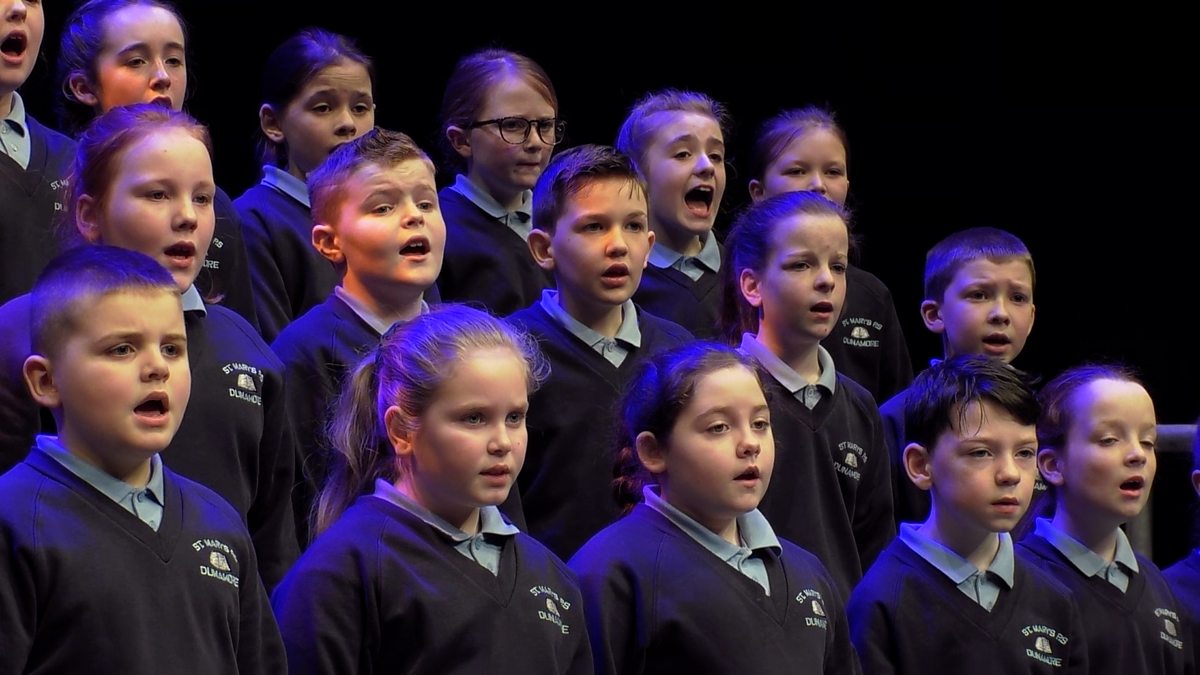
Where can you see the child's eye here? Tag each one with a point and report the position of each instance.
(123, 349)
(980, 453)
(682, 154)
(592, 227)
(514, 125)
(836, 172)
(427, 206)
(473, 418)
(760, 425)
(838, 268)
(321, 108)
(718, 428)
(1108, 441)
(157, 195)
(795, 171)
(798, 265)
(1149, 445)
(717, 158)
(383, 209)
(976, 295)
(1026, 453)
(1020, 298)
(635, 226)
(515, 419)
(135, 62)
(175, 62)
(172, 351)
(203, 199)
(362, 109)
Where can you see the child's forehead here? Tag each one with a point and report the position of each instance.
(605, 189)
(983, 417)
(384, 173)
(668, 126)
(1012, 269)
(142, 22)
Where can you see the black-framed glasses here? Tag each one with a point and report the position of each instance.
(515, 130)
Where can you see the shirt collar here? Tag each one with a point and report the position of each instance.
(753, 528)
(628, 333)
(479, 197)
(376, 322)
(16, 117)
(112, 487)
(192, 302)
(286, 183)
(782, 372)
(1083, 558)
(957, 568)
(709, 256)
(490, 520)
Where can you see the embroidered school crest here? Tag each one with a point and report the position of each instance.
(861, 335)
(850, 459)
(556, 606)
(816, 605)
(1170, 632)
(247, 382)
(1044, 640)
(222, 561)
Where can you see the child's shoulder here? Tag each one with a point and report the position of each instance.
(867, 286)
(323, 327)
(230, 329)
(637, 535)
(857, 395)
(214, 507)
(663, 330)
(894, 406)
(56, 141)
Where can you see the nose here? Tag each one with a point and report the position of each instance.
(1138, 455)
(345, 124)
(413, 216)
(17, 11)
(1007, 472)
(705, 167)
(161, 79)
(501, 442)
(155, 369)
(749, 446)
(816, 183)
(825, 279)
(999, 312)
(186, 218)
(617, 246)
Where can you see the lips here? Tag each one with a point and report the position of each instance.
(164, 101)
(823, 307)
(699, 200)
(751, 473)
(181, 254)
(13, 46)
(154, 408)
(416, 247)
(1133, 485)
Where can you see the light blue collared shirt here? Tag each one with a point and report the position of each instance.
(376, 322)
(808, 394)
(146, 503)
(753, 529)
(192, 302)
(14, 133)
(286, 183)
(1117, 573)
(615, 349)
(694, 266)
(519, 221)
(473, 546)
(981, 586)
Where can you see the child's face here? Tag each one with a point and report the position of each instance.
(600, 244)
(982, 471)
(987, 309)
(470, 443)
(1109, 462)
(160, 202)
(334, 107)
(390, 233)
(122, 379)
(21, 28)
(815, 161)
(684, 166)
(802, 286)
(720, 454)
(141, 61)
(505, 169)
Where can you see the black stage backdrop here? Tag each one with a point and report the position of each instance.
(1076, 132)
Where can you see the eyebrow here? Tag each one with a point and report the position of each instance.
(144, 45)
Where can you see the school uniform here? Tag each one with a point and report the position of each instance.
(664, 595)
(923, 604)
(566, 483)
(911, 503)
(235, 437)
(33, 192)
(289, 276)
(86, 585)
(225, 278)
(831, 490)
(391, 588)
(318, 351)
(487, 260)
(1132, 621)
(685, 289)
(1184, 579)
(867, 343)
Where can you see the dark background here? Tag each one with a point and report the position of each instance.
(1077, 132)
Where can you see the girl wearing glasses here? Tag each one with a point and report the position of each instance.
(500, 120)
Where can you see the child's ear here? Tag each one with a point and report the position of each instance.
(325, 240)
(918, 465)
(460, 140)
(756, 190)
(87, 210)
(931, 314)
(650, 452)
(1196, 481)
(39, 378)
(540, 245)
(399, 435)
(649, 247)
(81, 88)
(1050, 464)
(269, 122)
(751, 289)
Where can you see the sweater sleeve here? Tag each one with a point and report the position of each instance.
(615, 605)
(260, 649)
(895, 372)
(874, 513)
(231, 280)
(18, 595)
(271, 518)
(871, 631)
(19, 413)
(272, 302)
